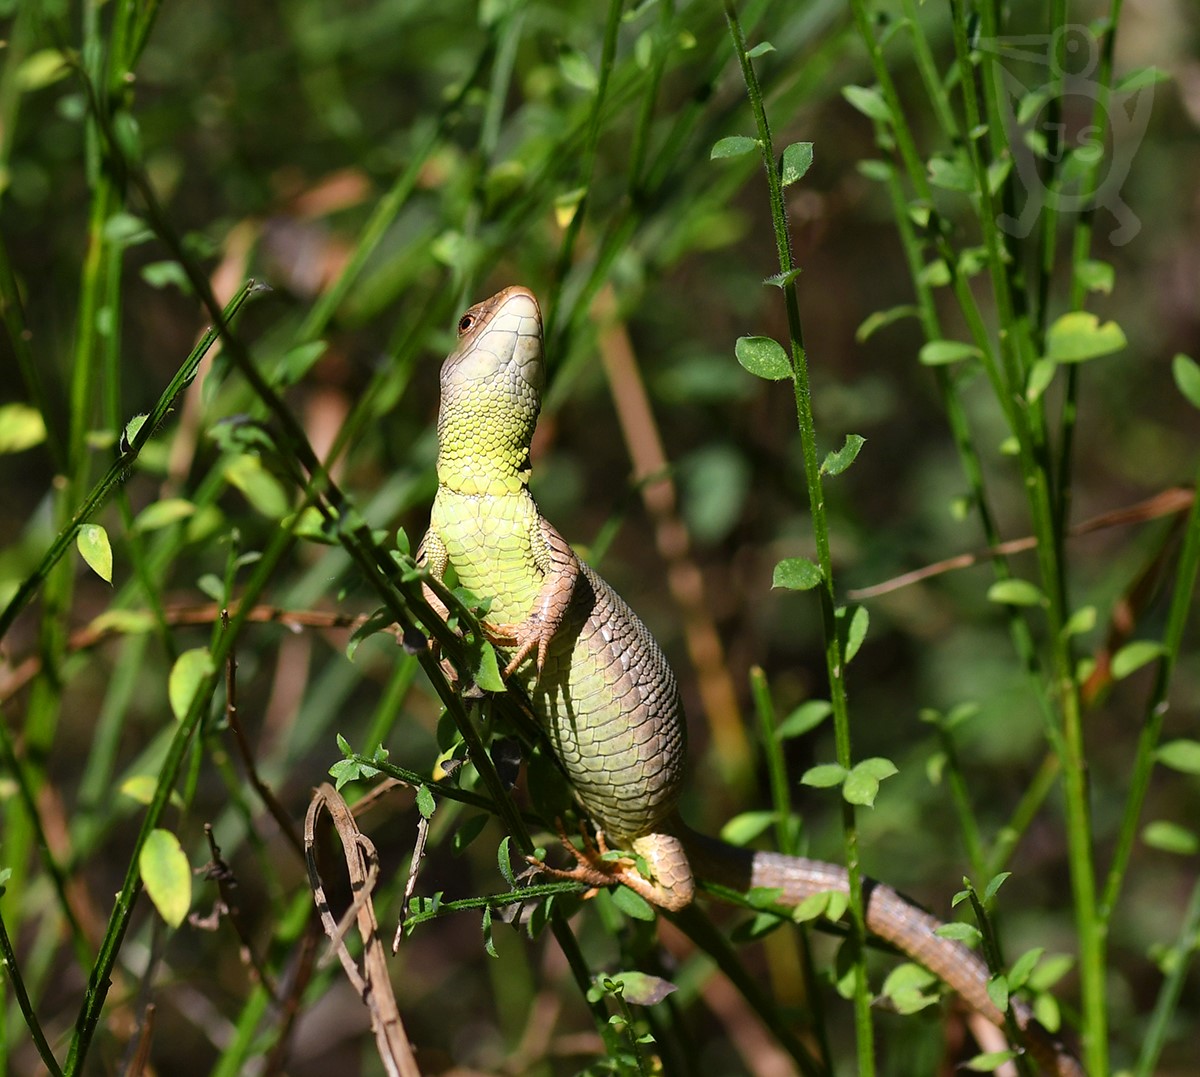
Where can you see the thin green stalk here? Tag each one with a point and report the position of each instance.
(1013, 350)
(1178, 965)
(1156, 711)
(587, 166)
(9, 958)
(834, 661)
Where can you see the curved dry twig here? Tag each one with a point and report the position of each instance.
(372, 982)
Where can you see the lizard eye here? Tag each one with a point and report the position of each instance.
(465, 323)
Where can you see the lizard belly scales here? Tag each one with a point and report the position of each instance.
(605, 693)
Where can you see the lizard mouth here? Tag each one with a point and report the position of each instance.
(519, 320)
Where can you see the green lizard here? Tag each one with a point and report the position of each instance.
(596, 678)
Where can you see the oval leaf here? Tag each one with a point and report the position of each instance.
(796, 574)
(743, 829)
(1187, 378)
(942, 352)
(797, 160)
(824, 776)
(167, 875)
(869, 101)
(21, 428)
(92, 543)
(258, 485)
(1016, 593)
(804, 718)
(1170, 837)
(763, 357)
(161, 513)
(733, 146)
(1133, 656)
(641, 988)
(187, 676)
(1181, 755)
(1079, 335)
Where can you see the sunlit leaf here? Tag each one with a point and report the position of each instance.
(167, 875)
(93, 546)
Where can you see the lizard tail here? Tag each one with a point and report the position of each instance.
(889, 917)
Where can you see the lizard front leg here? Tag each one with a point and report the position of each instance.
(559, 568)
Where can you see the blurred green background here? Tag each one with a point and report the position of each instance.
(440, 151)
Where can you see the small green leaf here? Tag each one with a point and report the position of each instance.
(989, 1062)
(633, 905)
(487, 669)
(489, 944)
(1041, 374)
(131, 431)
(187, 677)
(1182, 755)
(504, 861)
(577, 69)
(1016, 593)
(167, 875)
(862, 783)
(997, 990)
(935, 274)
(873, 322)
(907, 987)
(782, 280)
(1096, 276)
(264, 492)
(993, 887)
(161, 274)
(21, 428)
(641, 988)
(744, 828)
(824, 776)
(797, 160)
(1139, 78)
(837, 462)
(951, 173)
(1050, 971)
(761, 49)
(1079, 336)
(426, 804)
(1170, 837)
(853, 622)
(1186, 372)
(141, 787)
(1081, 621)
(804, 718)
(92, 543)
(967, 933)
(796, 574)
(763, 357)
(162, 513)
(942, 352)
(732, 146)
(1023, 967)
(869, 101)
(1133, 656)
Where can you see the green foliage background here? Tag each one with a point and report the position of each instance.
(381, 165)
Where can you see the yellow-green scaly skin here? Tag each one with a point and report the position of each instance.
(595, 676)
(605, 694)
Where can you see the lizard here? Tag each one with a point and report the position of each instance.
(598, 681)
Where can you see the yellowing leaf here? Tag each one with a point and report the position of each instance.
(167, 875)
(1079, 336)
(93, 546)
(21, 427)
(187, 675)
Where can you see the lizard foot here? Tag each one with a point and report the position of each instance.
(596, 866)
(532, 634)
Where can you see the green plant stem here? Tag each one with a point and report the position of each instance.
(834, 660)
(1166, 1004)
(1156, 711)
(1014, 350)
(12, 969)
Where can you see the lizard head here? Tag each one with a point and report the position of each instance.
(491, 394)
